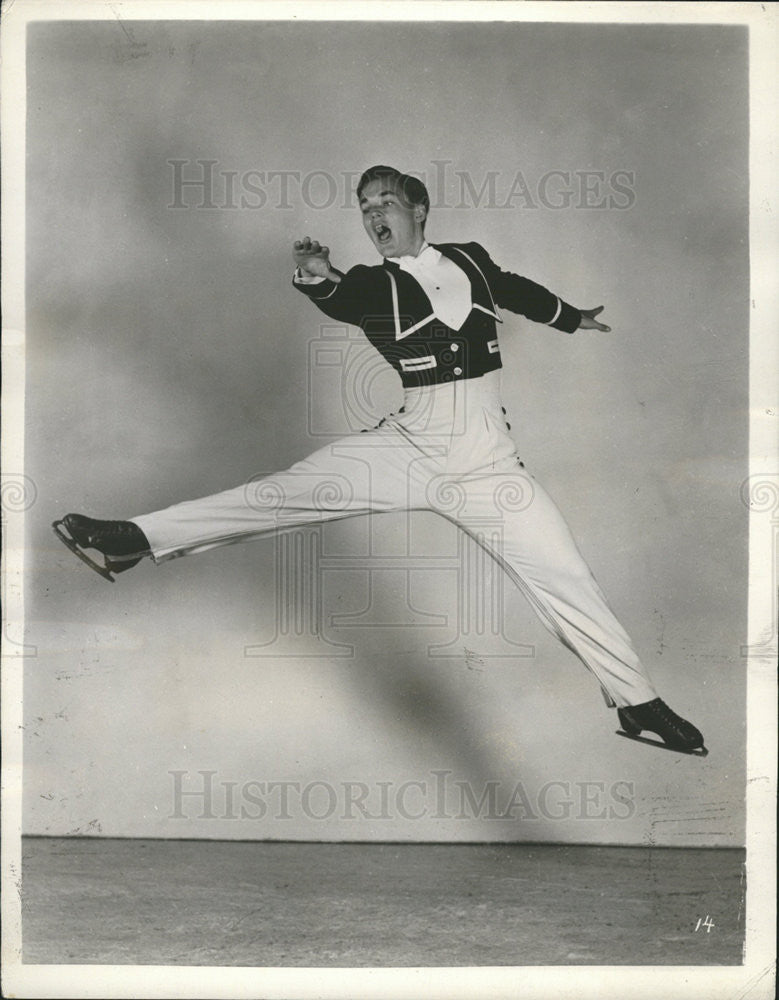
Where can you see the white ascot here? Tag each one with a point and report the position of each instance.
(445, 284)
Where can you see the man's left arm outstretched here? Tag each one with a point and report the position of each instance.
(529, 299)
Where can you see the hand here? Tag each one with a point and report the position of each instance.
(588, 321)
(312, 258)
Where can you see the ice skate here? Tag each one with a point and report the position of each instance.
(121, 543)
(656, 717)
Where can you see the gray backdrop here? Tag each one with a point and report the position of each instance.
(169, 357)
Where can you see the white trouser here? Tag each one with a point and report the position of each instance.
(447, 451)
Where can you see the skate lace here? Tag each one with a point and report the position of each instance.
(667, 715)
(665, 711)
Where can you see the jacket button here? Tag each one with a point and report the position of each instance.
(458, 371)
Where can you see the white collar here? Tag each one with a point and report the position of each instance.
(410, 258)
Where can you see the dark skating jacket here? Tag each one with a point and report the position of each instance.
(398, 319)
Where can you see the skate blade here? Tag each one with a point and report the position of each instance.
(61, 532)
(697, 752)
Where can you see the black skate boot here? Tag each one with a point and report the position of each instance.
(121, 543)
(656, 717)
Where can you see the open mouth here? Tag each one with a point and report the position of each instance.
(383, 233)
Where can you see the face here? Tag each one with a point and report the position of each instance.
(394, 226)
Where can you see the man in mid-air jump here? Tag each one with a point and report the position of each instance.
(431, 311)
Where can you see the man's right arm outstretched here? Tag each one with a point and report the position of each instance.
(313, 260)
(345, 297)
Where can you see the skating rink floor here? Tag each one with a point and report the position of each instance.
(226, 903)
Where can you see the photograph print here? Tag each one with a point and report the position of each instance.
(384, 506)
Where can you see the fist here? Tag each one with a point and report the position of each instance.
(311, 257)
